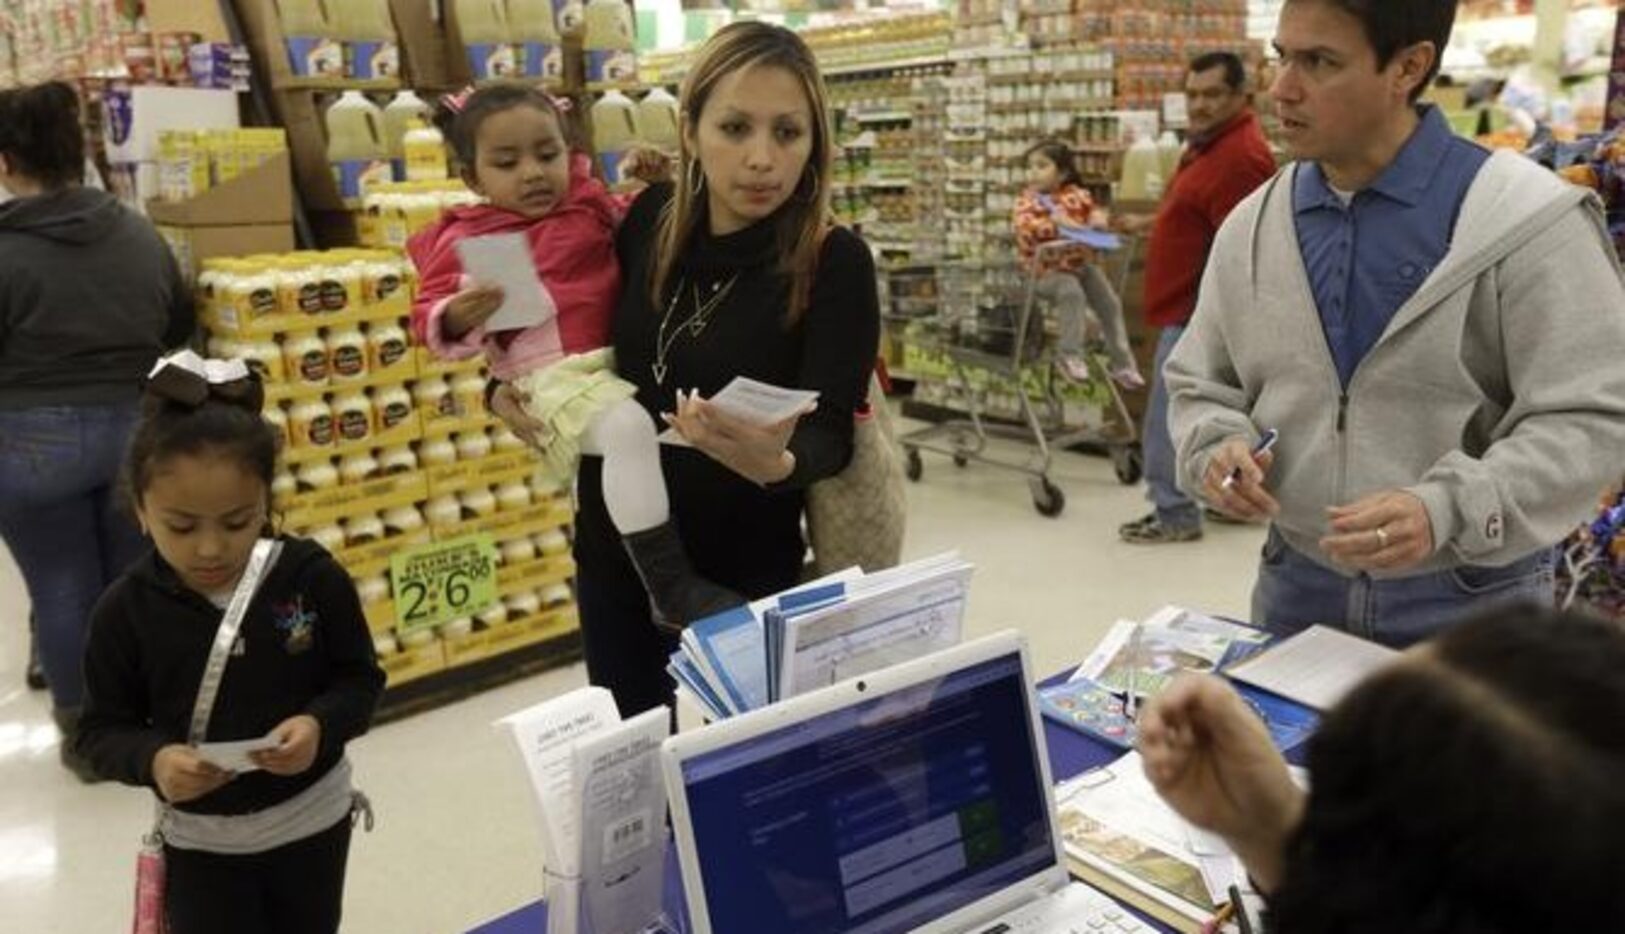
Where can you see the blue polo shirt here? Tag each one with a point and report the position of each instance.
(1367, 258)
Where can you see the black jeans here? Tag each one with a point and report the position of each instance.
(294, 889)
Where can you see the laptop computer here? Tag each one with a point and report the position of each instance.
(912, 799)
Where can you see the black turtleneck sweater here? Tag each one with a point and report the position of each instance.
(737, 533)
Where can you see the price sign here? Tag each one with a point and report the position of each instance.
(443, 581)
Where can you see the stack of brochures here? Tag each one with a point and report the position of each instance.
(832, 629)
(1122, 838)
(602, 809)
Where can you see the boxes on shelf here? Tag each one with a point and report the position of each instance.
(135, 115)
(249, 213)
(192, 162)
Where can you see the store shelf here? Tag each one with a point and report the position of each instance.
(533, 575)
(836, 71)
(1045, 77)
(461, 651)
(309, 509)
(380, 616)
(400, 372)
(336, 85)
(373, 559)
(881, 116)
(409, 431)
(429, 365)
(411, 664)
(439, 426)
(534, 648)
(227, 322)
(553, 514)
(489, 471)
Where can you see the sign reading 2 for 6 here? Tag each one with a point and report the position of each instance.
(443, 581)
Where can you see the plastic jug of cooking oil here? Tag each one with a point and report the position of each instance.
(614, 131)
(355, 144)
(486, 37)
(536, 39)
(609, 41)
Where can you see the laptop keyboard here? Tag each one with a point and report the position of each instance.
(1076, 909)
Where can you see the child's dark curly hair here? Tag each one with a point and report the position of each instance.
(459, 117)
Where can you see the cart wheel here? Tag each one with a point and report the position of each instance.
(961, 461)
(1047, 497)
(1129, 463)
(914, 468)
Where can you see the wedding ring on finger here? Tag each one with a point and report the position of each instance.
(1382, 536)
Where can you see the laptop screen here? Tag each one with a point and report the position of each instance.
(878, 817)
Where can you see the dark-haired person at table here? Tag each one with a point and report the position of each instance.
(1472, 787)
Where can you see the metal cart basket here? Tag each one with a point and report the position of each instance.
(987, 318)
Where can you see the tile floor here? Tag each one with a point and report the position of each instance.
(455, 843)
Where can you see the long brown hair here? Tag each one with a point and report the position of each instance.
(803, 218)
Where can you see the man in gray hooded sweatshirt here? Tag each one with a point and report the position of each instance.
(1437, 334)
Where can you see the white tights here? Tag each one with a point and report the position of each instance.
(634, 488)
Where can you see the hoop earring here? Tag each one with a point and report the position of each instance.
(696, 177)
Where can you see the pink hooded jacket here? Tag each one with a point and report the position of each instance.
(574, 250)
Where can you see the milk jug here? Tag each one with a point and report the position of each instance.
(425, 152)
(355, 144)
(398, 117)
(484, 25)
(571, 17)
(1142, 172)
(609, 41)
(614, 130)
(370, 48)
(657, 120)
(1169, 152)
(536, 39)
(313, 46)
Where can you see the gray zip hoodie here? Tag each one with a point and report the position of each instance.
(1496, 395)
(90, 296)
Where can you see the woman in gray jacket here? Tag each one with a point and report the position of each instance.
(89, 298)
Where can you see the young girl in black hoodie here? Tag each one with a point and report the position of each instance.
(253, 851)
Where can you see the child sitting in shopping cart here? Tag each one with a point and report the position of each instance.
(1054, 206)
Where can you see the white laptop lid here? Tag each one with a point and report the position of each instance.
(913, 799)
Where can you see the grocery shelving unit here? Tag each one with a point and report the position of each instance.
(418, 503)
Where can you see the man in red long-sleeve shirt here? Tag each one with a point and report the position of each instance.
(1226, 158)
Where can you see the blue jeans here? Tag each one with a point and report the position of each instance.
(60, 518)
(1175, 510)
(1293, 592)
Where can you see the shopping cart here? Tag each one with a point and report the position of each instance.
(988, 322)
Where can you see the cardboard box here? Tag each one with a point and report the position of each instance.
(261, 196)
(134, 116)
(193, 245)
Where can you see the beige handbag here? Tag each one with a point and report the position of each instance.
(857, 517)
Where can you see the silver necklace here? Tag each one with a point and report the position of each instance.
(694, 324)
